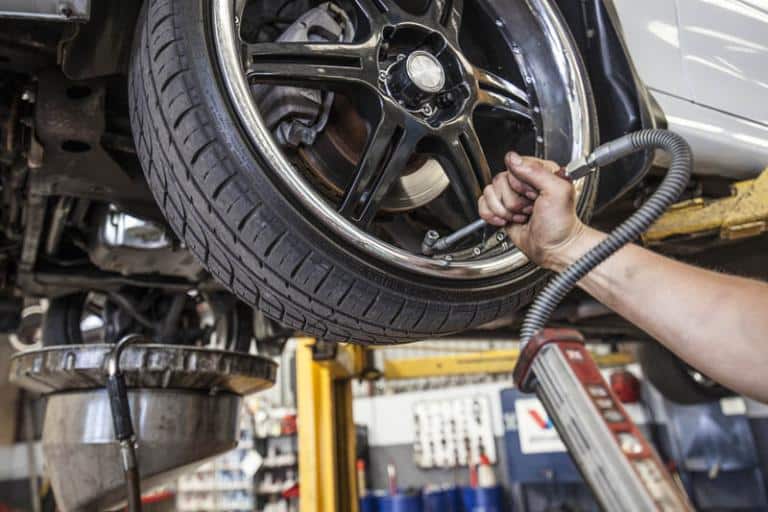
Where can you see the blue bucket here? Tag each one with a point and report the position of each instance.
(400, 503)
(487, 499)
(369, 503)
(443, 500)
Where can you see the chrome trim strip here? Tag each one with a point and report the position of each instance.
(234, 79)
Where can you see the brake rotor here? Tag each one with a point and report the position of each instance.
(333, 159)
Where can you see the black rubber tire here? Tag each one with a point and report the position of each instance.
(669, 375)
(61, 325)
(217, 193)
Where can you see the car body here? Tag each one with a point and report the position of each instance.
(701, 62)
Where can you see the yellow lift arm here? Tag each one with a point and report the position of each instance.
(488, 362)
(743, 214)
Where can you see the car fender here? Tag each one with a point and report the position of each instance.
(623, 102)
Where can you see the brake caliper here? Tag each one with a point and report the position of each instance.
(296, 115)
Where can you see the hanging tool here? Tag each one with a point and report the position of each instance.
(434, 244)
(616, 460)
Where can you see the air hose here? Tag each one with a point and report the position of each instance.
(668, 192)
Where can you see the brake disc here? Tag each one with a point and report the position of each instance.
(326, 130)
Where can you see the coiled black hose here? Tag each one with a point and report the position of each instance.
(668, 192)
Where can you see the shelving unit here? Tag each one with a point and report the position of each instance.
(224, 484)
(277, 443)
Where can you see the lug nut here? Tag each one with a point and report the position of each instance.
(446, 99)
(428, 244)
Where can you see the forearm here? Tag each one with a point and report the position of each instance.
(715, 322)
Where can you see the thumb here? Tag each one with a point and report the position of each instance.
(539, 175)
(516, 233)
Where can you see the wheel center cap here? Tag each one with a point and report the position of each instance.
(423, 74)
(425, 71)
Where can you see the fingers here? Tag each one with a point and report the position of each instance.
(538, 174)
(521, 188)
(501, 201)
(519, 217)
(509, 199)
(487, 215)
(512, 160)
(512, 200)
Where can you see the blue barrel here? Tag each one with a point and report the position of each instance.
(443, 500)
(400, 503)
(488, 499)
(369, 503)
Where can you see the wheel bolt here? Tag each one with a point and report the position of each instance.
(446, 99)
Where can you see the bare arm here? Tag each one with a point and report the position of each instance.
(717, 323)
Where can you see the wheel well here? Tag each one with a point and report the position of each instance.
(623, 103)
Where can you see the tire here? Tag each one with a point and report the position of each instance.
(61, 325)
(672, 378)
(220, 197)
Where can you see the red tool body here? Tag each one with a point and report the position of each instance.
(615, 458)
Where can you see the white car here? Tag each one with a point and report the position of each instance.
(301, 149)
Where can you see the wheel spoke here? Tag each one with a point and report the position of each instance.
(374, 10)
(312, 64)
(390, 147)
(468, 170)
(383, 12)
(448, 13)
(498, 93)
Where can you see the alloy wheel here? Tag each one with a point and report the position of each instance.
(419, 95)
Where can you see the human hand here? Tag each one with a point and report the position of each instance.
(537, 207)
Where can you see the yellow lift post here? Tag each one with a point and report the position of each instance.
(324, 372)
(326, 430)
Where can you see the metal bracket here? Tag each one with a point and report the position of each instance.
(48, 10)
(744, 214)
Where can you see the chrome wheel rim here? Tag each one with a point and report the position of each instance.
(228, 51)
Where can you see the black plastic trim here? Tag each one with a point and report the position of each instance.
(623, 102)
